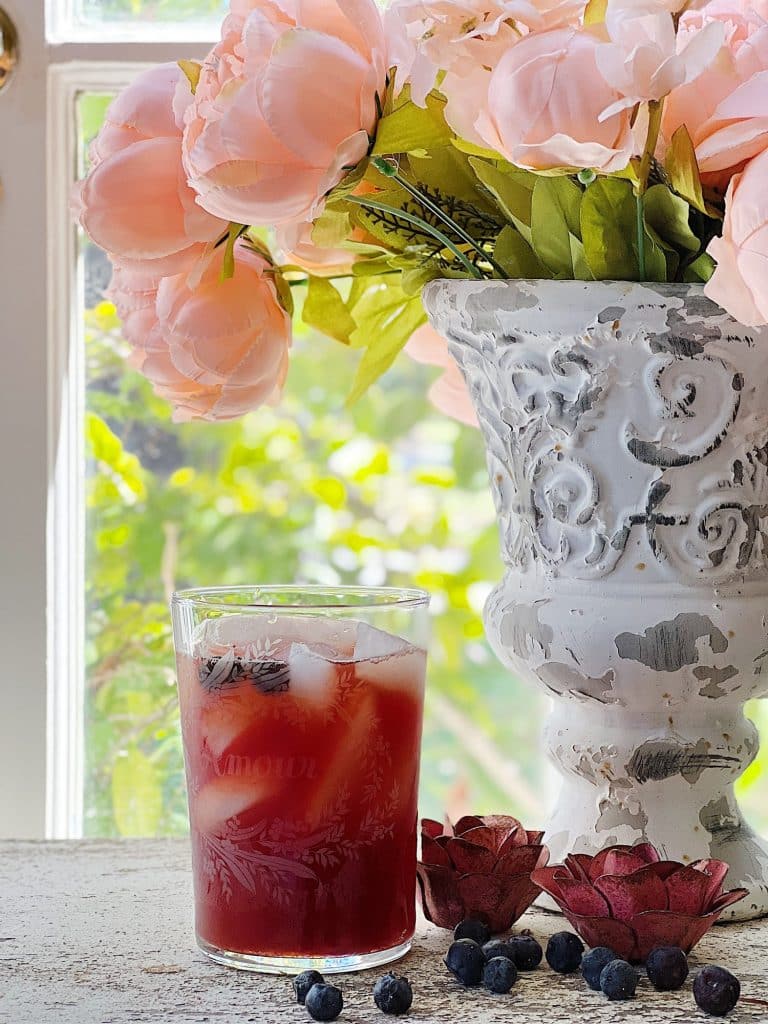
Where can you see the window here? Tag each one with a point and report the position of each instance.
(388, 490)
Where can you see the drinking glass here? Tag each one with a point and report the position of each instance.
(301, 712)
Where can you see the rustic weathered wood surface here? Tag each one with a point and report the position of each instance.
(100, 932)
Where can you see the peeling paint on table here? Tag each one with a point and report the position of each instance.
(100, 932)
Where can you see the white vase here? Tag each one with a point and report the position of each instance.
(627, 436)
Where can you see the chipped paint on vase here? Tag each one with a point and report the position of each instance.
(626, 427)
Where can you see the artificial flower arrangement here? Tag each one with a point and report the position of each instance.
(361, 153)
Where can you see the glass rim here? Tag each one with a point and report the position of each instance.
(215, 598)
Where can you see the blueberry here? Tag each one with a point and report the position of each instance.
(528, 952)
(324, 1002)
(499, 975)
(564, 952)
(618, 980)
(716, 990)
(303, 982)
(499, 947)
(592, 965)
(393, 994)
(465, 960)
(667, 968)
(472, 928)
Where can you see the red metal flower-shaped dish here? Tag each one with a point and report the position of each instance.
(629, 899)
(481, 867)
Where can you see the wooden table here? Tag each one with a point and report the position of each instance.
(100, 932)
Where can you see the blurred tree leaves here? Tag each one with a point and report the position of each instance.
(387, 490)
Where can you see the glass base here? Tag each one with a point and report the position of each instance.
(297, 964)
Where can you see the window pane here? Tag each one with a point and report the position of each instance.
(95, 11)
(110, 20)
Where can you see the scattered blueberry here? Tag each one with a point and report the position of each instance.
(472, 928)
(716, 990)
(324, 1002)
(303, 982)
(592, 965)
(499, 975)
(667, 968)
(465, 960)
(528, 952)
(499, 947)
(564, 952)
(393, 994)
(618, 980)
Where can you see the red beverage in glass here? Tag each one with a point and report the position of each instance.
(302, 739)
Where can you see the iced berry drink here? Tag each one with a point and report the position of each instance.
(302, 739)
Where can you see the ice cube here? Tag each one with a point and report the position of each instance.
(312, 676)
(267, 634)
(347, 763)
(389, 661)
(376, 643)
(226, 718)
(227, 796)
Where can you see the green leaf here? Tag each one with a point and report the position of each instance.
(192, 70)
(388, 229)
(386, 318)
(702, 268)
(412, 129)
(556, 227)
(516, 256)
(376, 266)
(332, 227)
(594, 12)
(683, 169)
(137, 797)
(608, 225)
(413, 279)
(609, 234)
(512, 189)
(228, 266)
(284, 293)
(448, 171)
(668, 214)
(472, 150)
(326, 311)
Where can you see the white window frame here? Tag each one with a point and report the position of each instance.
(41, 412)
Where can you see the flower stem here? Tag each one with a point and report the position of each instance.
(640, 222)
(411, 218)
(391, 172)
(655, 110)
(299, 282)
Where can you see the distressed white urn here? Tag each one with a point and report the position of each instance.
(627, 435)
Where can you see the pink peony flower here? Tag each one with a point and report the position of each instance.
(726, 107)
(449, 392)
(641, 59)
(628, 899)
(544, 106)
(459, 36)
(286, 103)
(136, 203)
(739, 281)
(214, 349)
(294, 242)
(479, 868)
